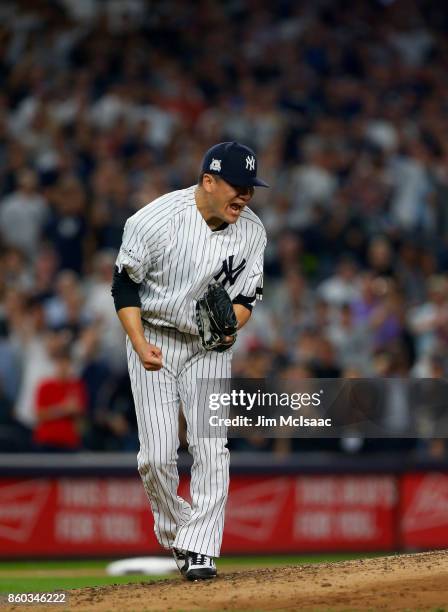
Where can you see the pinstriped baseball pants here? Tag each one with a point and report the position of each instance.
(157, 395)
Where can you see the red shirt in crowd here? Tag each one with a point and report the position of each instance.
(60, 431)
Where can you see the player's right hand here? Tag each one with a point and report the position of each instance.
(150, 356)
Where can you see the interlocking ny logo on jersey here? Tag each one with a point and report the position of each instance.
(230, 273)
(250, 162)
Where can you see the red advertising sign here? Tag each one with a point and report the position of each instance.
(107, 516)
(424, 503)
(74, 516)
(345, 513)
(311, 513)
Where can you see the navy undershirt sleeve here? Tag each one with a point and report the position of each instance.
(124, 291)
(245, 300)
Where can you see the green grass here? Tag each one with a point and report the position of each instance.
(43, 565)
(34, 584)
(47, 584)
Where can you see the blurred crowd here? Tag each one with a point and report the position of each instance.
(106, 105)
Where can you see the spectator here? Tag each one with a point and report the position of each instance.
(66, 229)
(15, 272)
(312, 184)
(23, 214)
(44, 273)
(429, 321)
(60, 405)
(340, 288)
(66, 307)
(115, 424)
(34, 347)
(352, 342)
(100, 308)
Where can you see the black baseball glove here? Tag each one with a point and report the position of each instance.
(216, 319)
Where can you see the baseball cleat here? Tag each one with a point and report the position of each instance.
(180, 558)
(199, 567)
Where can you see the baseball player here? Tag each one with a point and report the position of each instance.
(174, 249)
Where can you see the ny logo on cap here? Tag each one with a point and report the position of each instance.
(250, 162)
(216, 165)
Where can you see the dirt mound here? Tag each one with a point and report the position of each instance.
(406, 582)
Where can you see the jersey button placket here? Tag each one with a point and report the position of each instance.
(212, 237)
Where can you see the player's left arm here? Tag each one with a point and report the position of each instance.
(242, 314)
(253, 290)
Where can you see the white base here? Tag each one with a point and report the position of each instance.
(148, 566)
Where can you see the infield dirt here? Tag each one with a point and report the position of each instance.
(405, 582)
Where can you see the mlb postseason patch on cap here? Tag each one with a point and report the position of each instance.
(215, 165)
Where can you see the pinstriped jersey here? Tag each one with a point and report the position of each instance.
(169, 249)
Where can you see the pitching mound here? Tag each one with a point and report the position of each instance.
(407, 582)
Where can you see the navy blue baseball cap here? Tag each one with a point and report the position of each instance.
(233, 162)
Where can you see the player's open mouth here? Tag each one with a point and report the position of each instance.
(235, 207)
